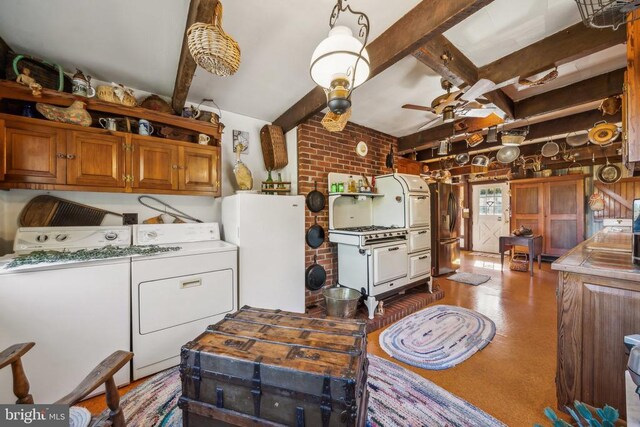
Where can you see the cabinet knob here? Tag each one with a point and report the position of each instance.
(71, 156)
(61, 155)
(174, 166)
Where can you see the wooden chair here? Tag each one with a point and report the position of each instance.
(102, 374)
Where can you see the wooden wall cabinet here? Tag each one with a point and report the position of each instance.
(198, 169)
(408, 166)
(155, 166)
(95, 160)
(33, 154)
(552, 207)
(175, 166)
(53, 156)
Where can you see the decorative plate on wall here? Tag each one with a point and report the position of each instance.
(362, 149)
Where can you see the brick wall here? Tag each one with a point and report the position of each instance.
(321, 152)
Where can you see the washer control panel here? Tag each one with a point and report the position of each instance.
(30, 239)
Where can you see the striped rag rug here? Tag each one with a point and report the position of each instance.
(438, 337)
(397, 398)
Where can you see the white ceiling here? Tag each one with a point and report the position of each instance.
(137, 43)
(505, 26)
(378, 104)
(605, 61)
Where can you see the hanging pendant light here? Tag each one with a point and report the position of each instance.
(340, 63)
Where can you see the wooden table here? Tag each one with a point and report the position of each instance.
(533, 243)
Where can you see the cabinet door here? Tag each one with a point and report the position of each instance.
(594, 315)
(564, 216)
(199, 168)
(155, 166)
(95, 159)
(527, 201)
(32, 153)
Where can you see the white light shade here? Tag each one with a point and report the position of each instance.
(335, 55)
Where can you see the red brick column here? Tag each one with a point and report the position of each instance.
(321, 152)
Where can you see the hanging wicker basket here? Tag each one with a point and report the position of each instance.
(336, 123)
(212, 48)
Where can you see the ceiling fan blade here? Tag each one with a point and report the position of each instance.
(481, 87)
(477, 112)
(419, 108)
(431, 123)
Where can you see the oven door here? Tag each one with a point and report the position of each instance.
(389, 263)
(419, 211)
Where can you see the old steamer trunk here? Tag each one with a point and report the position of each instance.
(265, 367)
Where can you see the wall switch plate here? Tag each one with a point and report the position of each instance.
(129, 218)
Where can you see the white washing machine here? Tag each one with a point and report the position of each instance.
(176, 295)
(77, 313)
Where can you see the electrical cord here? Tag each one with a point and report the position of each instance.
(179, 213)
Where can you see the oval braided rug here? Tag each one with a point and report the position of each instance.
(397, 398)
(438, 337)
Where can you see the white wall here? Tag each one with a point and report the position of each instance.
(202, 207)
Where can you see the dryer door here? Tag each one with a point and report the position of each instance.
(171, 302)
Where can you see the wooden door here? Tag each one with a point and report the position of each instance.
(95, 159)
(32, 153)
(564, 215)
(199, 169)
(155, 166)
(527, 202)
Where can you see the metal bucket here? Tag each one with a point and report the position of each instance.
(341, 302)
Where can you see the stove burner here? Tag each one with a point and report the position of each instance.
(366, 228)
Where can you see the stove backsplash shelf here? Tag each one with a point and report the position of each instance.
(335, 178)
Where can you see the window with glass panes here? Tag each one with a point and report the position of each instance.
(491, 201)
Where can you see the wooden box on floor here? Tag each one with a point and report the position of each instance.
(269, 367)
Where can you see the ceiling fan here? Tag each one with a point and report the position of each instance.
(457, 104)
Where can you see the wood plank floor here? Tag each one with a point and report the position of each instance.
(513, 377)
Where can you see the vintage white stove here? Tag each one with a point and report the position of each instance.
(383, 239)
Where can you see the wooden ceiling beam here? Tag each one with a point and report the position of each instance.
(565, 46)
(583, 92)
(457, 68)
(563, 125)
(428, 18)
(199, 11)
(447, 130)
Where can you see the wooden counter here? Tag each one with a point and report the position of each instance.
(606, 254)
(598, 304)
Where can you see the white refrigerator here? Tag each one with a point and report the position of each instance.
(269, 233)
